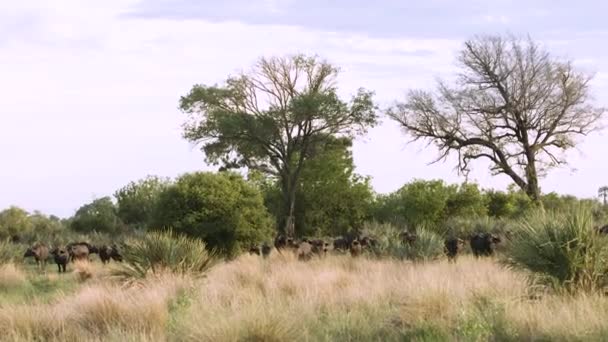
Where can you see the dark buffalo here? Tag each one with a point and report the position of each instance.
(266, 250)
(483, 244)
(368, 241)
(603, 230)
(282, 242)
(255, 250)
(341, 244)
(452, 246)
(109, 252)
(319, 246)
(355, 248)
(61, 257)
(408, 238)
(40, 252)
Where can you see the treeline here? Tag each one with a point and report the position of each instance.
(230, 212)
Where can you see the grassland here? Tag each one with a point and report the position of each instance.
(337, 298)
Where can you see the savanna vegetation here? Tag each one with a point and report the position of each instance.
(178, 254)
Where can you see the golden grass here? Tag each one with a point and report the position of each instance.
(96, 310)
(334, 298)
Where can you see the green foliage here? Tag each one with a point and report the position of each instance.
(137, 201)
(158, 252)
(10, 252)
(562, 248)
(464, 226)
(276, 135)
(428, 245)
(14, 221)
(510, 204)
(44, 228)
(429, 203)
(223, 209)
(99, 216)
(332, 199)
(467, 200)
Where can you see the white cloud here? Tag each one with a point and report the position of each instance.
(501, 19)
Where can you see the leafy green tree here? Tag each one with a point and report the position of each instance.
(424, 202)
(466, 201)
(274, 118)
(44, 226)
(137, 200)
(222, 208)
(332, 198)
(99, 215)
(14, 221)
(510, 204)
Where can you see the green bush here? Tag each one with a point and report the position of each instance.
(563, 250)
(159, 252)
(428, 245)
(222, 209)
(463, 226)
(10, 252)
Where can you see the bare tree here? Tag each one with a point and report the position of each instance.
(513, 104)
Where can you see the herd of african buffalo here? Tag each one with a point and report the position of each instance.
(482, 244)
(71, 252)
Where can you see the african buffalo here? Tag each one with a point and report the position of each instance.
(304, 251)
(109, 252)
(452, 246)
(40, 252)
(61, 257)
(355, 248)
(255, 250)
(482, 244)
(266, 250)
(408, 238)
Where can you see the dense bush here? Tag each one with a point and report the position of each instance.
(562, 249)
(158, 252)
(97, 216)
(223, 209)
(9, 252)
(429, 203)
(428, 245)
(136, 201)
(14, 221)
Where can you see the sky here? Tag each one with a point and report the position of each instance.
(89, 89)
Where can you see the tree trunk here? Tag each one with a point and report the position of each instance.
(289, 200)
(532, 189)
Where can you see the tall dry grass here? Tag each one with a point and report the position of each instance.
(326, 299)
(339, 298)
(96, 312)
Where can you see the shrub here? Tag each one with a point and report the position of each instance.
(9, 252)
(428, 245)
(222, 209)
(464, 226)
(563, 250)
(159, 252)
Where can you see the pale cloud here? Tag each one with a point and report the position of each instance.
(90, 96)
(502, 19)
